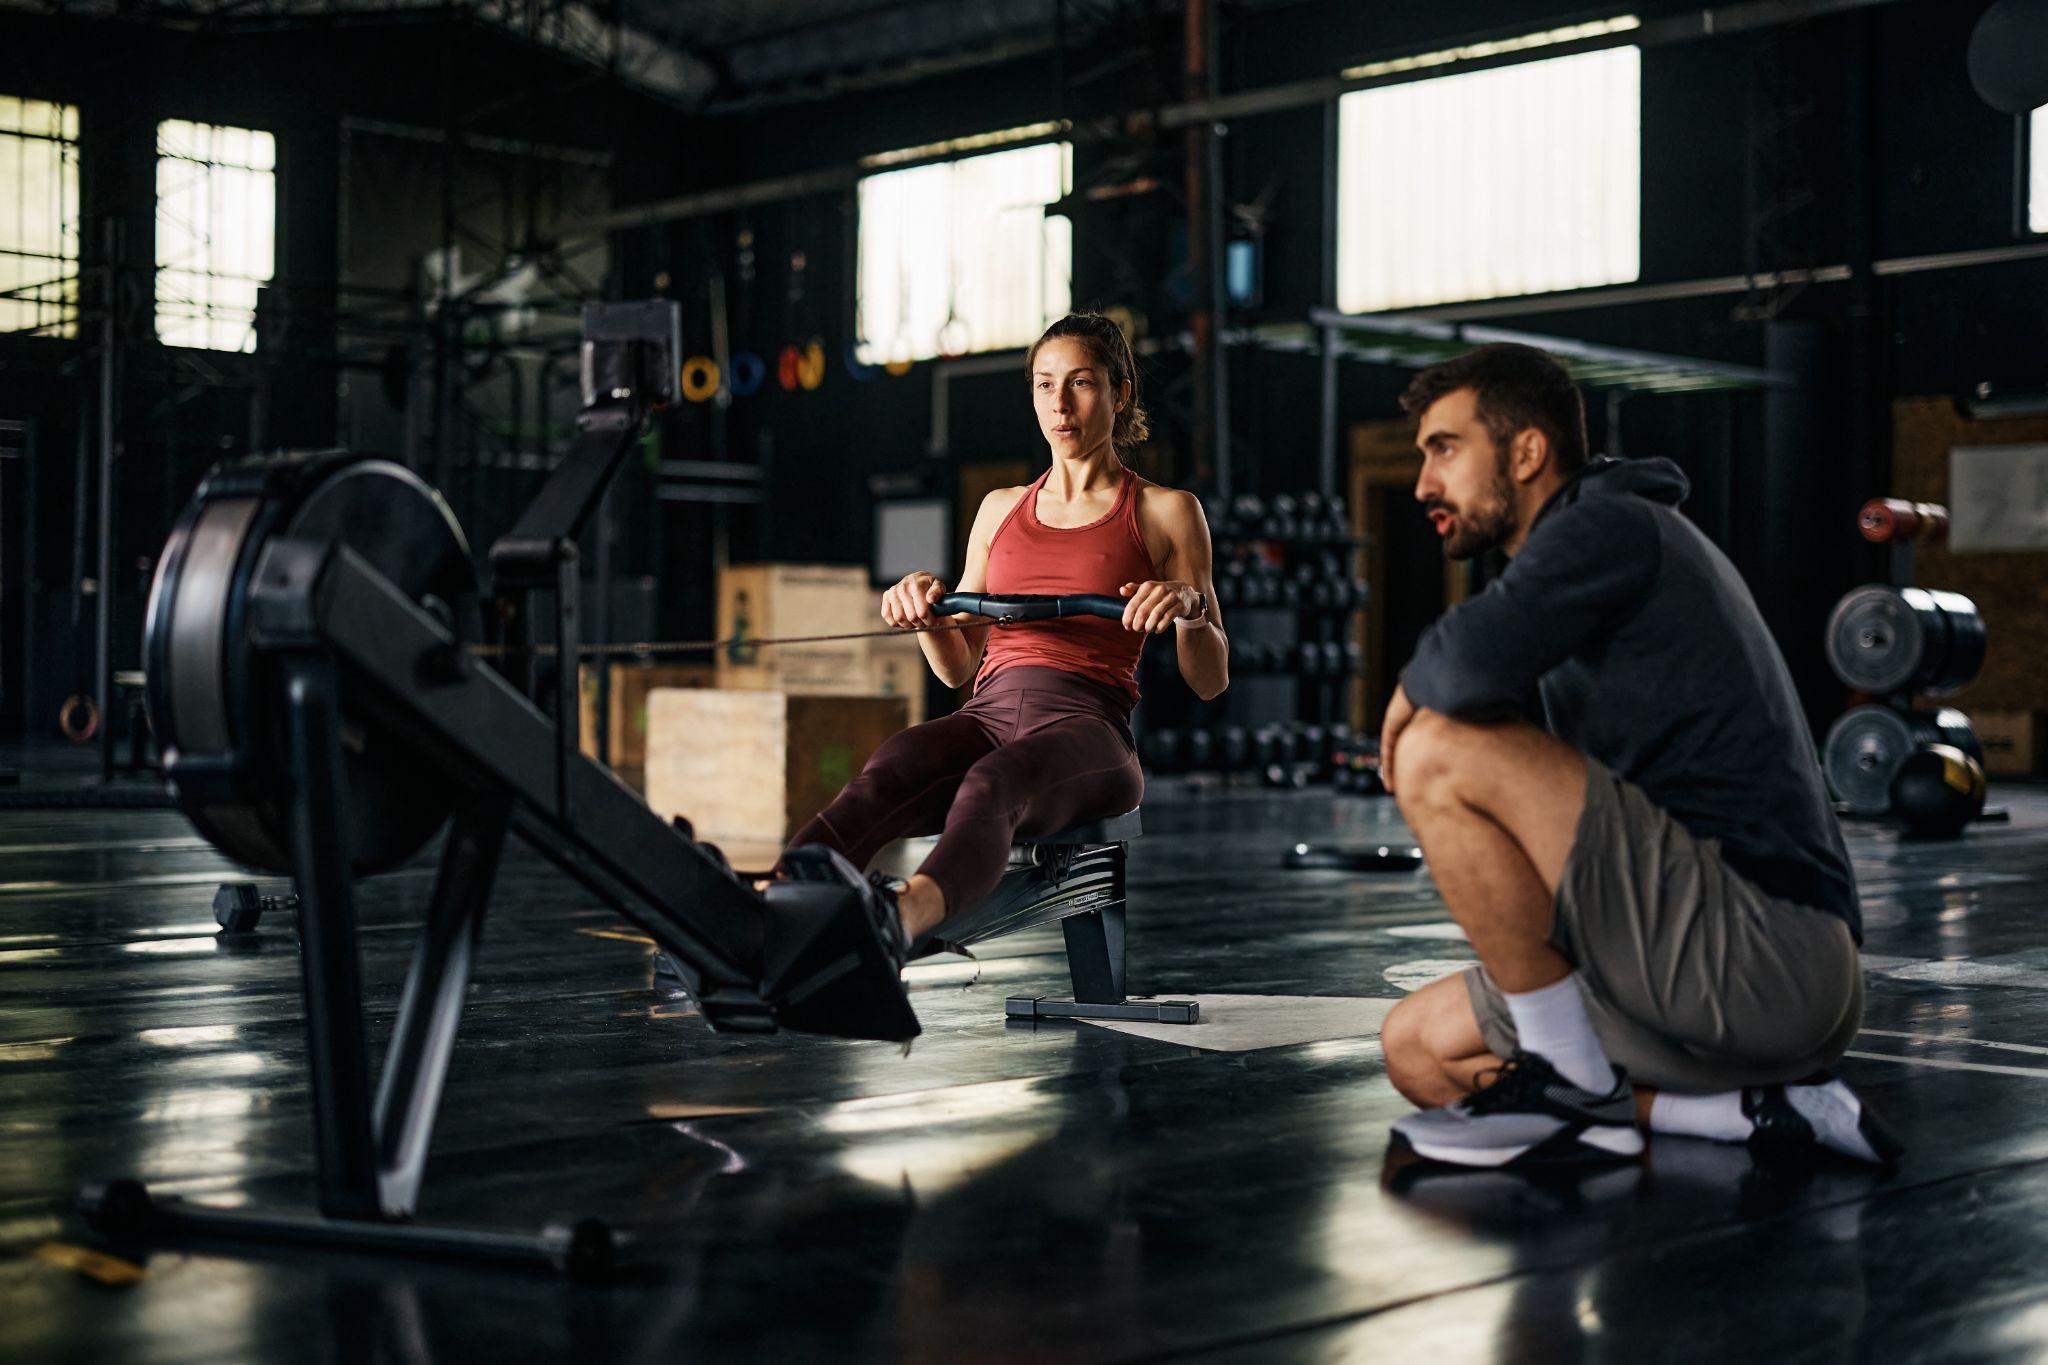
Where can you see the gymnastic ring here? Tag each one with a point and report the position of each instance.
(699, 378)
(810, 367)
(898, 366)
(744, 374)
(856, 369)
(786, 363)
(77, 731)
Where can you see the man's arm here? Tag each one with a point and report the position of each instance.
(1587, 568)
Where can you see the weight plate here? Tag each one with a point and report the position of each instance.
(1878, 638)
(1862, 751)
(1963, 633)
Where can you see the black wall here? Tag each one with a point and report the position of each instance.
(1903, 160)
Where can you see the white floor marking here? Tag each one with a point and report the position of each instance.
(1949, 1038)
(1443, 929)
(1944, 1064)
(1245, 1023)
(1413, 976)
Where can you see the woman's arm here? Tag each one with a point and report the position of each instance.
(1175, 519)
(954, 655)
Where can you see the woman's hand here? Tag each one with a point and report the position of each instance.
(1154, 607)
(909, 602)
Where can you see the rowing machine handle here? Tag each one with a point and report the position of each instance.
(1022, 607)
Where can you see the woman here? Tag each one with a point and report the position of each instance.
(1046, 740)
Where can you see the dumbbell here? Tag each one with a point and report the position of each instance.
(1282, 521)
(1337, 516)
(1285, 775)
(1336, 741)
(1216, 512)
(238, 906)
(1354, 658)
(1234, 749)
(1313, 513)
(1247, 512)
(1311, 745)
(1265, 746)
(1228, 583)
(1166, 751)
(1292, 748)
(1333, 659)
(1201, 751)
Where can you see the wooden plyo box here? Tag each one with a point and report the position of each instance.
(774, 601)
(752, 767)
(631, 683)
(2015, 743)
(896, 668)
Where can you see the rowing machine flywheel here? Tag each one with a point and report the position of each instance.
(213, 694)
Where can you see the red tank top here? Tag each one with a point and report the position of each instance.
(1027, 556)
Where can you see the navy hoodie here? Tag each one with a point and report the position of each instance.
(1650, 655)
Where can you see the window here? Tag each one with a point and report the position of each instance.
(1517, 180)
(38, 217)
(216, 232)
(961, 256)
(2037, 170)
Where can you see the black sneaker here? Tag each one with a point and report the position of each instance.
(1526, 1109)
(832, 951)
(1822, 1115)
(889, 915)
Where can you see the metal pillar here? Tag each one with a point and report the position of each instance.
(103, 623)
(1210, 433)
(1326, 437)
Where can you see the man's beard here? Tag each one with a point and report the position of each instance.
(1484, 526)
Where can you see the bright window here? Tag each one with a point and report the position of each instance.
(1518, 180)
(38, 217)
(2037, 171)
(961, 256)
(216, 232)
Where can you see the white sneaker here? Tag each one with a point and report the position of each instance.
(1526, 1109)
(1796, 1120)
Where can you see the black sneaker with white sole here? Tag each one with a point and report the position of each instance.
(1526, 1110)
(1822, 1115)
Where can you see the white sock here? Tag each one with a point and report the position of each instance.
(1552, 1023)
(1718, 1117)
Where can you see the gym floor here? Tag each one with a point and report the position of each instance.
(1070, 1192)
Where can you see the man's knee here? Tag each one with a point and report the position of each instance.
(1409, 1045)
(1433, 754)
(1402, 1044)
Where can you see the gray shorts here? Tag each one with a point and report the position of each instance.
(1696, 981)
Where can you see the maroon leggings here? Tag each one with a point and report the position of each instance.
(1036, 750)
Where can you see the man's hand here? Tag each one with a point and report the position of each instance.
(1155, 606)
(1399, 712)
(909, 602)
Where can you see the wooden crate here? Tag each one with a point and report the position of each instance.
(631, 682)
(748, 767)
(2015, 743)
(896, 668)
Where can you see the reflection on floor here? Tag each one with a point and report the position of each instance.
(1066, 1192)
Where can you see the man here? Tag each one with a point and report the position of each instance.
(1654, 882)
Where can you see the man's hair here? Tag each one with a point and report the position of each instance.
(1517, 387)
